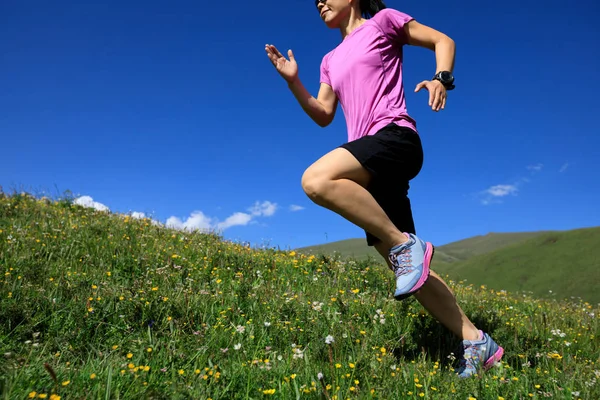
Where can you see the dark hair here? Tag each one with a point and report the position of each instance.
(371, 7)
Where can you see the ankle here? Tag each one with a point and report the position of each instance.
(398, 240)
(472, 335)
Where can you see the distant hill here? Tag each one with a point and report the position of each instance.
(564, 262)
(449, 253)
(464, 249)
(567, 263)
(354, 248)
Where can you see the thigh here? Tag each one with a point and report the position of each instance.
(338, 164)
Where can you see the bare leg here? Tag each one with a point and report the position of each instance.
(437, 298)
(337, 181)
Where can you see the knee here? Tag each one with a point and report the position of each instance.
(314, 185)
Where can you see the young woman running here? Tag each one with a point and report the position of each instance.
(366, 180)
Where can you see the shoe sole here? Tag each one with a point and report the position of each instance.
(428, 256)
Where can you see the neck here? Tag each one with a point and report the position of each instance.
(353, 21)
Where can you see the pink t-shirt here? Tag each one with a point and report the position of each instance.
(365, 72)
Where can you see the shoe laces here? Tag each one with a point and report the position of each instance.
(402, 261)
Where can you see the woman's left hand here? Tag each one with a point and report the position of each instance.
(437, 94)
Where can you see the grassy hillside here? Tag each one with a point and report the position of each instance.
(544, 263)
(464, 249)
(98, 306)
(449, 253)
(568, 263)
(349, 248)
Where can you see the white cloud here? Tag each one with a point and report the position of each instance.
(196, 221)
(87, 201)
(294, 207)
(142, 215)
(502, 190)
(564, 167)
(199, 221)
(265, 209)
(236, 219)
(494, 194)
(536, 167)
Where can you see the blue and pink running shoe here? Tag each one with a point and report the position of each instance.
(479, 355)
(410, 263)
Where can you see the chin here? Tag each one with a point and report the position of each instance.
(332, 24)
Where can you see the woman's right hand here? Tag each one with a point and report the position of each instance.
(288, 69)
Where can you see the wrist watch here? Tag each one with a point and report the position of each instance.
(446, 78)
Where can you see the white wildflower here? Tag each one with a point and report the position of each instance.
(298, 353)
(558, 332)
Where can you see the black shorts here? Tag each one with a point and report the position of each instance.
(393, 156)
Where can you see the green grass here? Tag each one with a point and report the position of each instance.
(544, 263)
(465, 249)
(350, 248)
(102, 306)
(449, 253)
(566, 263)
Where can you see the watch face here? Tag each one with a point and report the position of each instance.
(446, 76)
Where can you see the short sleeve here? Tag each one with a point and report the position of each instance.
(324, 78)
(392, 24)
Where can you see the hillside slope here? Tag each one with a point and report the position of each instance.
(566, 263)
(464, 249)
(456, 251)
(95, 305)
(349, 248)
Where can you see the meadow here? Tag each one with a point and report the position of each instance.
(540, 262)
(95, 305)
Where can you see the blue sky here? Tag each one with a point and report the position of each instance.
(175, 111)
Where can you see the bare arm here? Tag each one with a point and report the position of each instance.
(445, 50)
(429, 38)
(320, 109)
